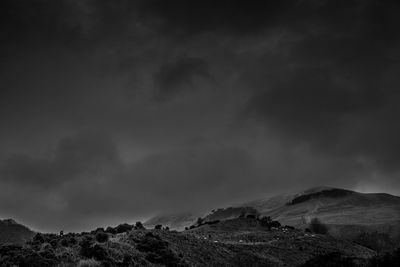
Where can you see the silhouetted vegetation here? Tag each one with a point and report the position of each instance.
(123, 228)
(157, 250)
(267, 222)
(139, 225)
(316, 226)
(101, 237)
(201, 247)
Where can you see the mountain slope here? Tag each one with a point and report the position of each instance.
(334, 206)
(13, 233)
(337, 206)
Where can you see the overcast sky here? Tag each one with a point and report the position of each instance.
(116, 110)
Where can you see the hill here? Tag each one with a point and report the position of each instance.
(340, 208)
(12, 232)
(236, 242)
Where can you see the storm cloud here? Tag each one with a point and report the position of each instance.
(113, 111)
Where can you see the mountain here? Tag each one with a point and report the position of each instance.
(345, 211)
(335, 206)
(12, 232)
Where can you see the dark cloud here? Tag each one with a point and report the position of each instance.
(172, 78)
(334, 84)
(85, 154)
(237, 17)
(252, 98)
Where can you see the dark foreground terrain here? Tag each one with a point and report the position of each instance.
(235, 242)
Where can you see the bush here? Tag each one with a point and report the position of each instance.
(64, 242)
(157, 250)
(318, 227)
(139, 225)
(111, 230)
(123, 228)
(38, 238)
(265, 221)
(101, 237)
(158, 227)
(86, 245)
(289, 227)
(275, 224)
(88, 263)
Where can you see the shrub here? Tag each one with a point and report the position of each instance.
(38, 238)
(88, 263)
(64, 242)
(86, 245)
(157, 250)
(101, 237)
(275, 224)
(318, 227)
(265, 221)
(158, 227)
(111, 230)
(269, 223)
(139, 225)
(289, 227)
(122, 228)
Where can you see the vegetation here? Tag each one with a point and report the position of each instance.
(101, 237)
(380, 242)
(244, 241)
(317, 227)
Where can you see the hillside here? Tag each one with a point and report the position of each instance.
(237, 242)
(12, 232)
(339, 208)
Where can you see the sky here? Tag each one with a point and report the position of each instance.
(113, 111)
